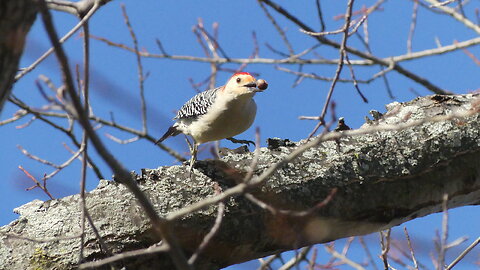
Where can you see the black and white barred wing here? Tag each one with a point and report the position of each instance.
(198, 105)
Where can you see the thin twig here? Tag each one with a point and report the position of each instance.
(40, 240)
(348, 16)
(141, 77)
(427, 84)
(299, 257)
(125, 255)
(343, 258)
(36, 158)
(369, 59)
(412, 253)
(84, 145)
(367, 251)
(102, 243)
(443, 240)
(90, 13)
(383, 70)
(74, 140)
(37, 184)
(65, 164)
(120, 141)
(276, 211)
(355, 82)
(463, 254)
(412, 26)
(320, 15)
(17, 116)
(99, 120)
(313, 259)
(209, 236)
(317, 77)
(278, 28)
(454, 14)
(254, 163)
(265, 264)
(385, 245)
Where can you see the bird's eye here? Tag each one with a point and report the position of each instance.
(239, 80)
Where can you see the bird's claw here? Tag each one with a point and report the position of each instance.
(247, 142)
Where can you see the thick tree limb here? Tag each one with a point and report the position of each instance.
(16, 18)
(382, 178)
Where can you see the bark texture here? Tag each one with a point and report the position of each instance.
(382, 179)
(16, 18)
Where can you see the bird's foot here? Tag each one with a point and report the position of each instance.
(247, 142)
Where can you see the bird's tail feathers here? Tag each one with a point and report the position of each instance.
(172, 131)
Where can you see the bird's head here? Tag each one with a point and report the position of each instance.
(243, 83)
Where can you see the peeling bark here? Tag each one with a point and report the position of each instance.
(382, 179)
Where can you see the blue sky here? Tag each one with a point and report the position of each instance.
(114, 84)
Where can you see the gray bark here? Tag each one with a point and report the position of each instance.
(16, 18)
(382, 179)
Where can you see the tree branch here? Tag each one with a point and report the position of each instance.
(389, 171)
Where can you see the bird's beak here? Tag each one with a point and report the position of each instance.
(258, 85)
(252, 84)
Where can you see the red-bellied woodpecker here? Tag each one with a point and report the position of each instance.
(218, 113)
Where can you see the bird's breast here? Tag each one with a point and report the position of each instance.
(223, 120)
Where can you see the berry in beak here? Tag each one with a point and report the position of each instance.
(262, 84)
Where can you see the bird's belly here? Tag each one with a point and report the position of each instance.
(231, 122)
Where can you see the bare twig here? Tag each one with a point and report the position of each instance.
(72, 137)
(383, 70)
(99, 120)
(463, 254)
(444, 3)
(454, 14)
(36, 158)
(355, 82)
(65, 164)
(37, 184)
(299, 257)
(367, 251)
(41, 240)
(443, 240)
(209, 236)
(254, 163)
(427, 84)
(265, 264)
(368, 61)
(412, 26)
(120, 141)
(343, 258)
(90, 13)
(317, 77)
(84, 145)
(469, 54)
(125, 255)
(141, 76)
(412, 253)
(348, 16)
(385, 244)
(320, 15)
(17, 116)
(274, 210)
(160, 47)
(278, 28)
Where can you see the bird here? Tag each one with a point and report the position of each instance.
(218, 113)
